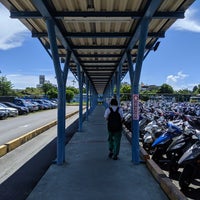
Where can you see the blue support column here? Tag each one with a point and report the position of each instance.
(87, 98)
(109, 89)
(115, 83)
(65, 75)
(91, 97)
(105, 96)
(135, 153)
(112, 87)
(90, 92)
(80, 78)
(61, 77)
(118, 82)
(94, 99)
(135, 96)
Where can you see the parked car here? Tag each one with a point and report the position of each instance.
(34, 106)
(21, 109)
(44, 104)
(3, 113)
(52, 105)
(12, 112)
(22, 102)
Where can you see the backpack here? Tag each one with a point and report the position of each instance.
(114, 121)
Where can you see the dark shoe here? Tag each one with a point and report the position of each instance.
(115, 158)
(110, 154)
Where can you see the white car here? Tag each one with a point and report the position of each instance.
(12, 112)
(3, 113)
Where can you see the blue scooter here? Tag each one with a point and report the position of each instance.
(161, 144)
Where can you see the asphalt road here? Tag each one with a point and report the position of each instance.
(14, 127)
(22, 168)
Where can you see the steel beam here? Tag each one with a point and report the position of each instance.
(98, 35)
(89, 14)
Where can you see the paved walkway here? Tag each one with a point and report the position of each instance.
(89, 174)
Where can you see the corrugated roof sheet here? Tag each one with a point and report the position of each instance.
(98, 32)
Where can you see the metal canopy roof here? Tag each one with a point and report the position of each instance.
(98, 32)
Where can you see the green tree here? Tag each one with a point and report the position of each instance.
(31, 91)
(46, 87)
(69, 95)
(72, 88)
(125, 91)
(184, 91)
(5, 86)
(84, 90)
(196, 89)
(146, 94)
(165, 89)
(52, 93)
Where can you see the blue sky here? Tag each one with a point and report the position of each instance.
(176, 61)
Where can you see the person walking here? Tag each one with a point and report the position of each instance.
(114, 116)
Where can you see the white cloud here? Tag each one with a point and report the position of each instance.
(189, 23)
(12, 32)
(176, 78)
(21, 81)
(178, 81)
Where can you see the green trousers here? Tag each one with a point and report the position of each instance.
(114, 140)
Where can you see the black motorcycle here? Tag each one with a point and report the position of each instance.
(191, 161)
(178, 147)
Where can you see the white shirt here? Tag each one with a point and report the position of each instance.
(107, 111)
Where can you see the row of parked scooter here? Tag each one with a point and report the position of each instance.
(171, 137)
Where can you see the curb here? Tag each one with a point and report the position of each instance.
(3, 150)
(13, 144)
(166, 184)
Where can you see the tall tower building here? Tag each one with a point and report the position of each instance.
(41, 79)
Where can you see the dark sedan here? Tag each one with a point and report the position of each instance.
(21, 109)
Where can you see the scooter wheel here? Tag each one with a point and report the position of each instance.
(157, 155)
(186, 177)
(173, 168)
(146, 147)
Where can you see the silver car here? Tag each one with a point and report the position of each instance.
(3, 113)
(12, 112)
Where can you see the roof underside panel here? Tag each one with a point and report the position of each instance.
(98, 32)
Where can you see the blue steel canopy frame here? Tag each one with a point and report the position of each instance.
(80, 83)
(86, 59)
(87, 98)
(141, 35)
(167, 13)
(61, 77)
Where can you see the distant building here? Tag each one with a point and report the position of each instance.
(148, 87)
(41, 79)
